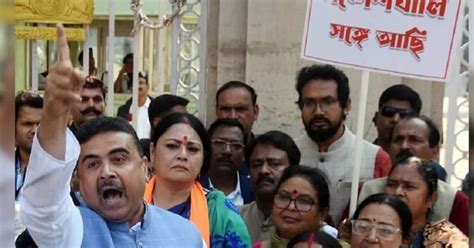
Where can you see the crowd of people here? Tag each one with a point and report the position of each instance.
(87, 180)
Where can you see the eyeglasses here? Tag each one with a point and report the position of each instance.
(302, 203)
(383, 231)
(390, 111)
(325, 104)
(221, 145)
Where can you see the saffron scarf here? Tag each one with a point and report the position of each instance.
(199, 210)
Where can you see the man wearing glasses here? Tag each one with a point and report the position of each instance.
(324, 102)
(227, 155)
(395, 103)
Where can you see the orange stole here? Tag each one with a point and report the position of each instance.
(199, 214)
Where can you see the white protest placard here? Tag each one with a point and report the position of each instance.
(411, 38)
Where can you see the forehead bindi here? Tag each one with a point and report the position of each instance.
(181, 132)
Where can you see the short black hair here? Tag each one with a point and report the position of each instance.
(237, 84)
(29, 99)
(319, 237)
(104, 124)
(316, 177)
(424, 167)
(324, 72)
(80, 58)
(162, 104)
(143, 75)
(191, 120)
(226, 122)
(128, 56)
(396, 204)
(279, 140)
(92, 82)
(434, 138)
(401, 92)
(435, 135)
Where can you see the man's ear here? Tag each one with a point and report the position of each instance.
(348, 106)
(435, 151)
(257, 111)
(375, 118)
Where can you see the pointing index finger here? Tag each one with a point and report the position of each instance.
(63, 48)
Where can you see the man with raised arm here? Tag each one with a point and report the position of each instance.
(111, 169)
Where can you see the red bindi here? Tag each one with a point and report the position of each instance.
(295, 192)
(185, 140)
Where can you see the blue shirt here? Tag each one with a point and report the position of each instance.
(159, 228)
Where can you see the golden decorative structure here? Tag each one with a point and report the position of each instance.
(48, 33)
(54, 11)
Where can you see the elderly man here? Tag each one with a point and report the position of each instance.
(112, 175)
(268, 156)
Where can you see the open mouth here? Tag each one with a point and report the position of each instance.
(113, 197)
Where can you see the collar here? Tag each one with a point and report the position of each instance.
(235, 193)
(232, 194)
(141, 225)
(277, 241)
(147, 102)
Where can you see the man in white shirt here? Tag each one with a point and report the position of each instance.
(126, 111)
(111, 172)
(323, 98)
(227, 155)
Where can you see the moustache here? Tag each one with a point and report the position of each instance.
(319, 119)
(109, 184)
(265, 179)
(405, 153)
(90, 110)
(224, 159)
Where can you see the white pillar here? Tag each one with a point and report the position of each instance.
(110, 59)
(85, 53)
(34, 65)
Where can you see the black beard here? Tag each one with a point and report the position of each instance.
(323, 134)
